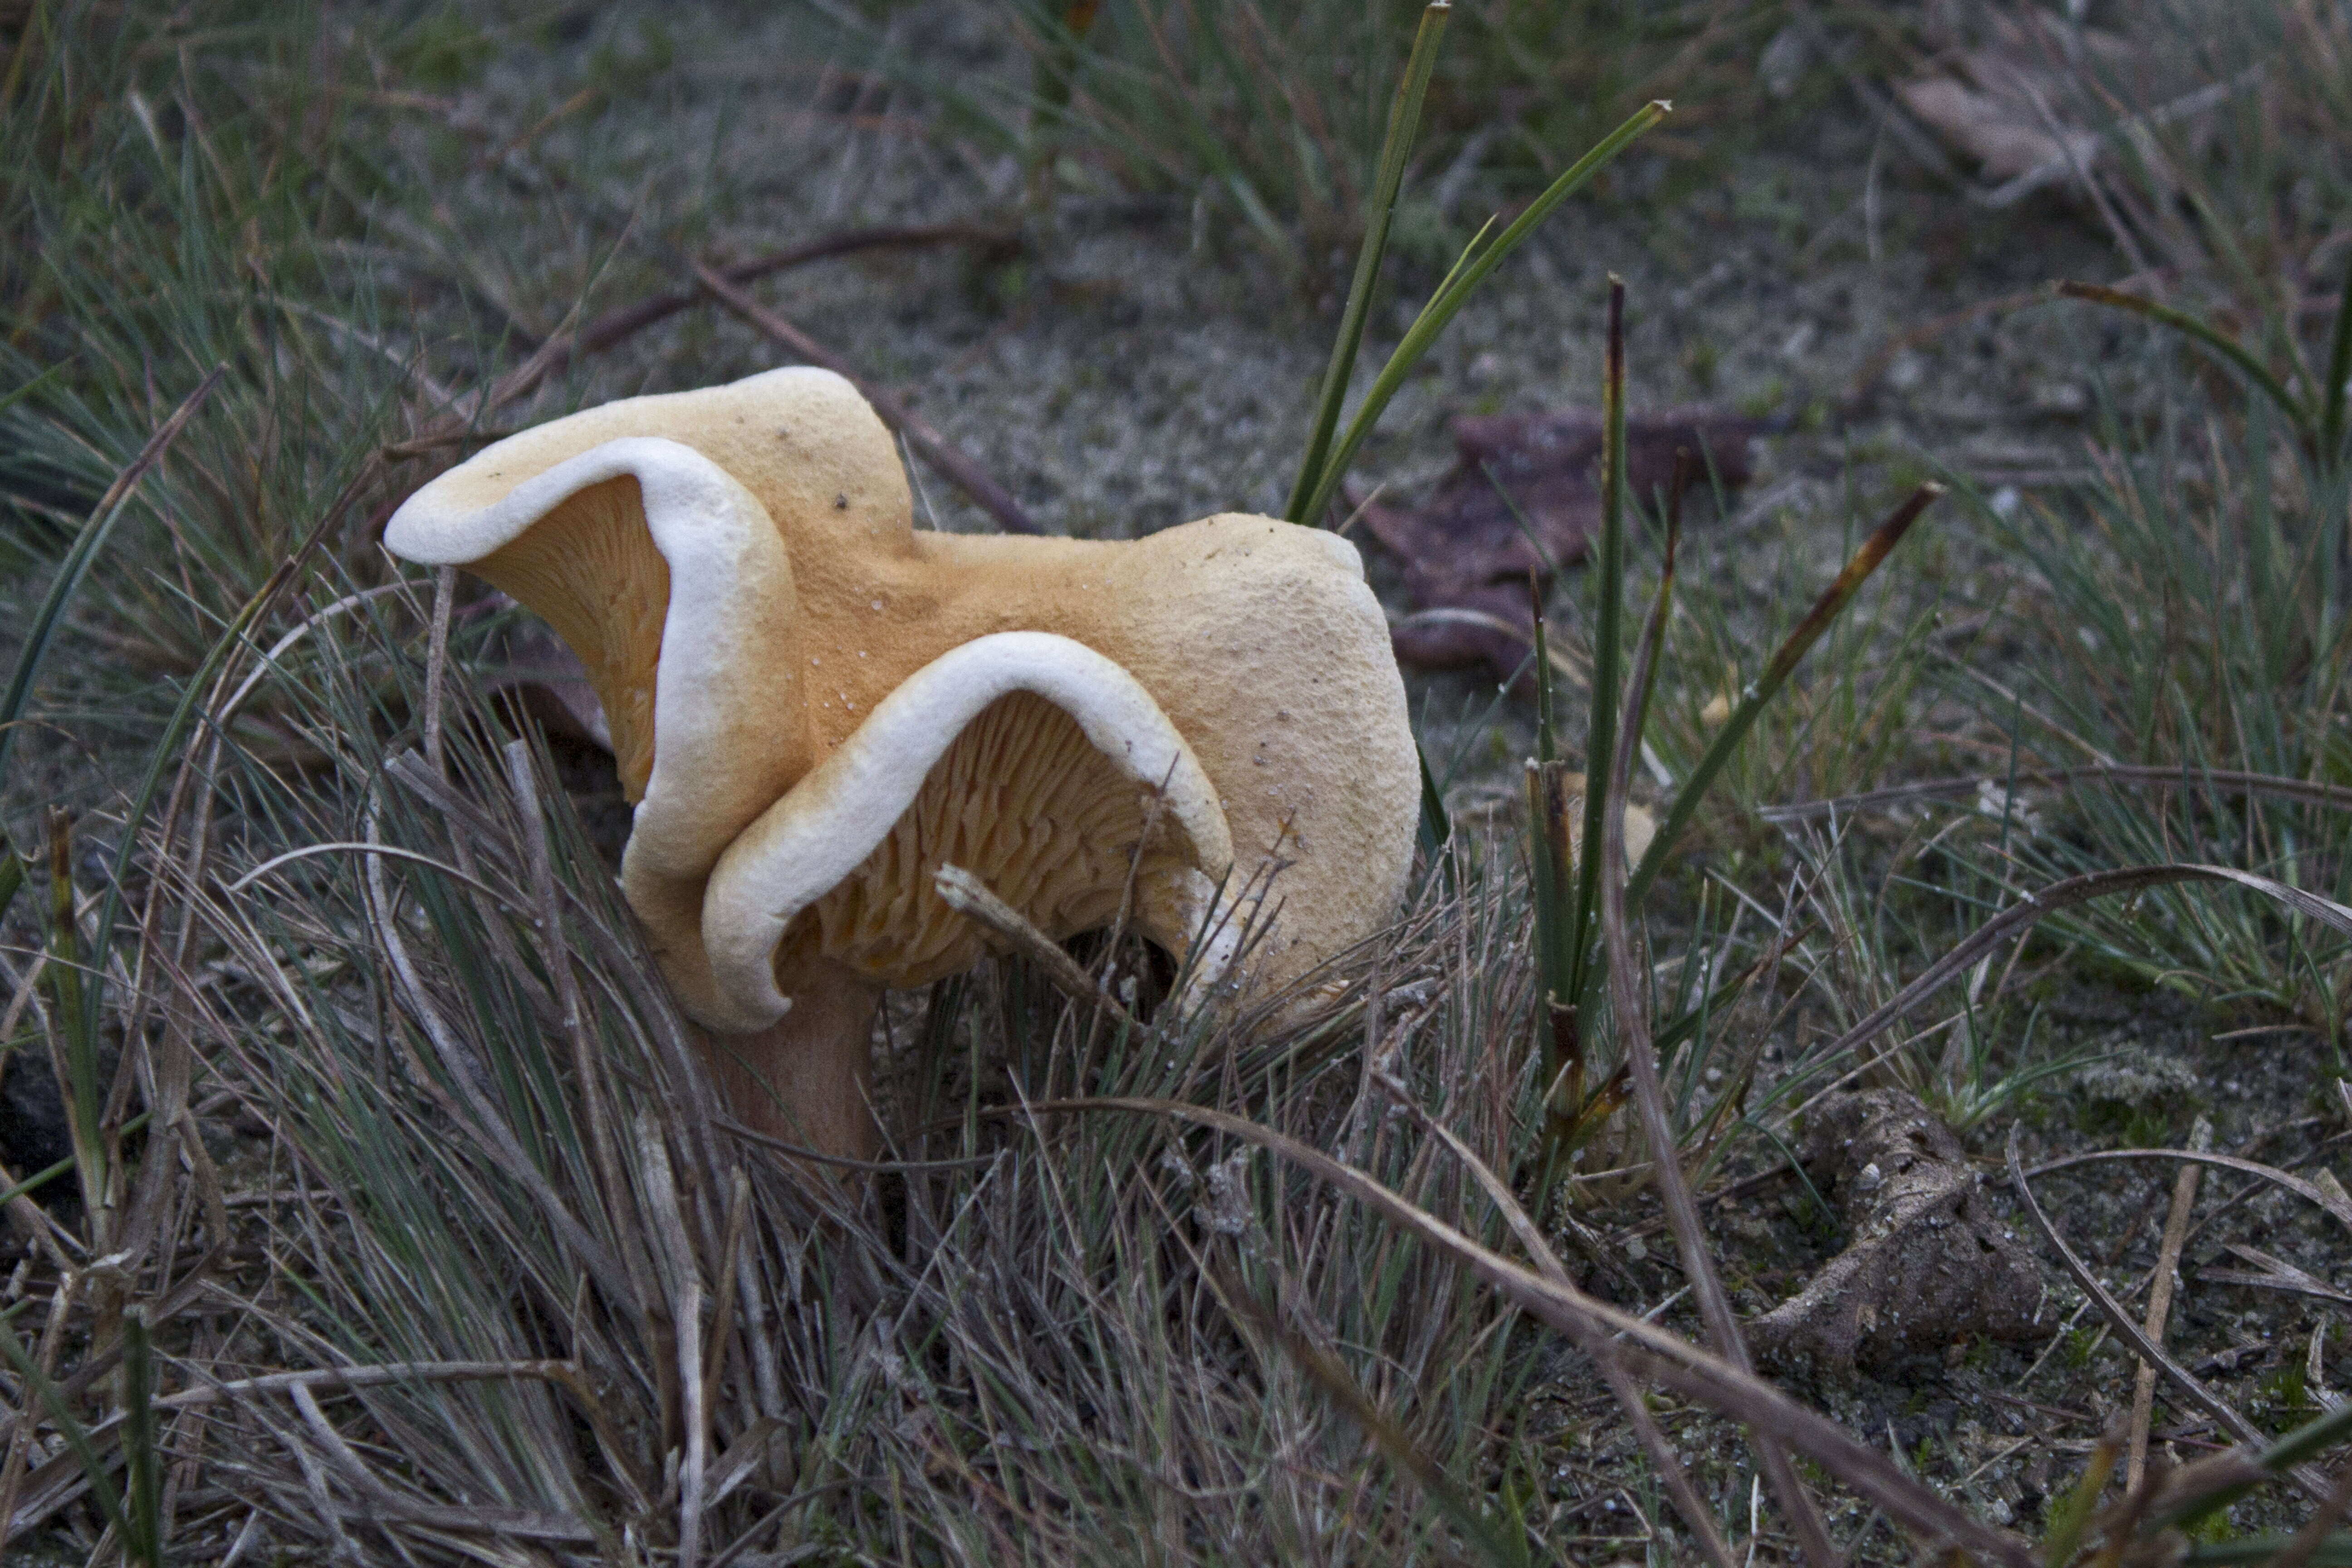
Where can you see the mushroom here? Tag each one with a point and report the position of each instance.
(814, 706)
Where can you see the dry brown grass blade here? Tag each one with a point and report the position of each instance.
(2233, 781)
(951, 460)
(1650, 1352)
(383, 1503)
(2034, 906)
(522, 780)
(563, 1374)
(2134, 1335)
(1686, 1501)
(1629, 1018)
(2159, 1307)
(1332, 1376)
(2309, 1191)
(722, 1283)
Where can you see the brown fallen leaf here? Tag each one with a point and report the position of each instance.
(1467, 557)
(1930, 1264)
(2012, 101)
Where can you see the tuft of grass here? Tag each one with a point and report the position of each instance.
(1269, 124)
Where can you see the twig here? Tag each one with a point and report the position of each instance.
(558, 352)
(2160, 1305)
(969, 896)
(949, 459)
(436, 664)
(2132, 1335)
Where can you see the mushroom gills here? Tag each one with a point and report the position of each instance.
(590, 567)
(1026, 803)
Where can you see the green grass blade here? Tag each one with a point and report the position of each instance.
(182, 718)
(1785, 659)
(1488, 1541)
(1436, 827)
(143, 1537)
(2299, 414)
(1455, 292)
(1547, 864)
(1608, 637)
(2306, 1441)
(93, 1467)
(2339, 371)
(2074, 1513)
(77, 564)
(1405, 124)
(1661, 606)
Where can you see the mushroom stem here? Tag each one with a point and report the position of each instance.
(808, 1077)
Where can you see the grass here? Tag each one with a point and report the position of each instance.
(490, 1282)
(1265, 124)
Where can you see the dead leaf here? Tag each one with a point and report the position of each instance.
(1467, 556)
(2023, 102)
(1930, 1264)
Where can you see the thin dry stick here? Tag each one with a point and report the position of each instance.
(610, 328)
(665, 1218)
(436, 663)
(949, 459)
(2159, 1304)
(693, 1374)
(2132, 1335)
(969, 896)
(697, 1461)
(2336, 1205)
(1628, 1019)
